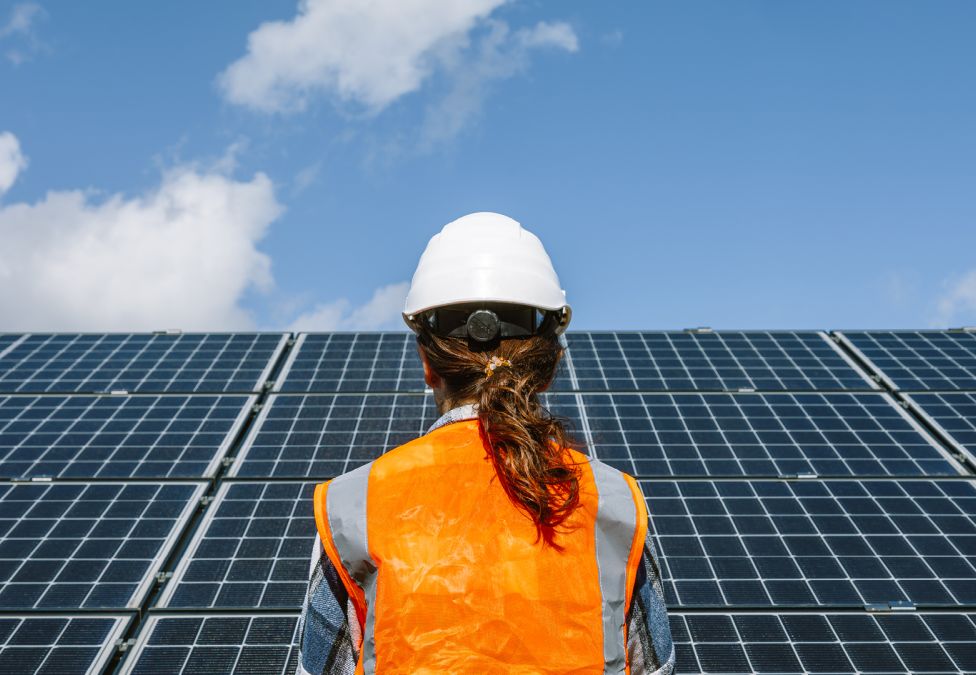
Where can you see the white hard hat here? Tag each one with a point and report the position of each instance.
(485, 258)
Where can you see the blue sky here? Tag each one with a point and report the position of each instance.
(732, 164)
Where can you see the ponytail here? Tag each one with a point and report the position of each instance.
(527, 445)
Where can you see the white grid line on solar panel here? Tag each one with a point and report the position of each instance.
(352, 362)
(58, 643)
(753, 434)
(150, 363)
(8, 341)
(815, 543)
(91, 546)
(725, 361)
(918, 360)
(324, 435)
(144, 436)
(215, 643)
(820, 643)
(953, 414)
(252, 550)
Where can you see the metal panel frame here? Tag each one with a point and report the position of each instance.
(16, 343)
(167, 545)
(920, 411)
(867, 377)
(187, 557)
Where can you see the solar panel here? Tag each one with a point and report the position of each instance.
(215, 643)
(706, 642)
(824, 643)
(321, 436)
(58, 643)
(815, 543)
(725, 361)
(711, 361)
(145, 363)
(117, 436)
(952, 413)
(87, 545)
(753, 434)
(355, 362)
(918, 360)
(656, 434)
(251, 551)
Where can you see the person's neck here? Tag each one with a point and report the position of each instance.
(446, 403)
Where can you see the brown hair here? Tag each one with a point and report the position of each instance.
(527, 445)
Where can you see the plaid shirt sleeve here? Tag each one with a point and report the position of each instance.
(329, 635)
(648, 630)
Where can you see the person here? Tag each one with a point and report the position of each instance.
(489, 544)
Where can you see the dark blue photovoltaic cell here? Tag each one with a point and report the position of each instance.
(209, 643)
(720, 361)
(58, 644)
(90, 546)
(815, 543)
(921, 360)
(145, 363)
(253, 551)
(824, 643)
(116, 436)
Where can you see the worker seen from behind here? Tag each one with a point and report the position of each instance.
(488, 545)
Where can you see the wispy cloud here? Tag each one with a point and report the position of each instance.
(20, 32)
(12, 161)
(382, 311)
(370, 54)
(958, 304)
(500, 54)
(182, 254)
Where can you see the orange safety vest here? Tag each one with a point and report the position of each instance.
(447, 575)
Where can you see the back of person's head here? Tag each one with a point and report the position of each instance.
(487, 309)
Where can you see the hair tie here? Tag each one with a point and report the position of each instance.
(495, 362)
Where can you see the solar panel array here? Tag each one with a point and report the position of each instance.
(812, 494)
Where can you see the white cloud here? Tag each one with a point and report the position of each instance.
(181, 255)
(382, 311)
(372, 52)
(500, 54)
(23, 18)
(12, 160)
(958, 304)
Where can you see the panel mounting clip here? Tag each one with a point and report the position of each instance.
(746, 390)
(118, 392)
(163, 577)
(700, 329)
(206, 500)
(902, 606)
(123, 645)
(227, 461)
(256, 408)
(168, 331)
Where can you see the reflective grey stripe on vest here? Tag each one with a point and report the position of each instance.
(616, 523)
(345, 505)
